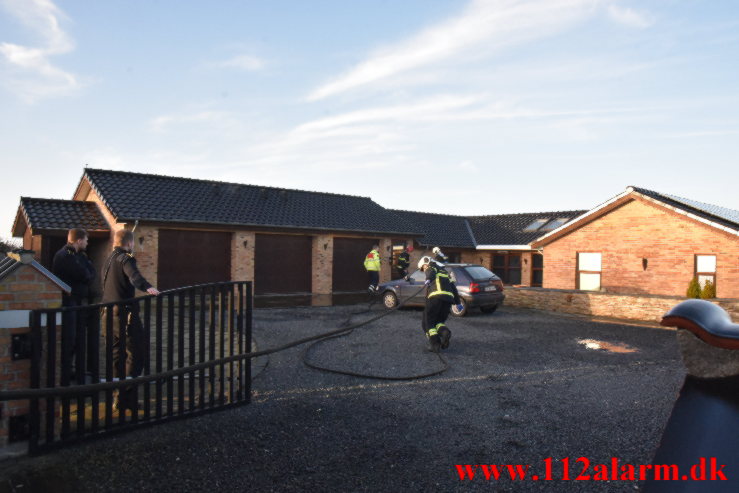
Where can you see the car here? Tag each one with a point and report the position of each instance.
(477, 286)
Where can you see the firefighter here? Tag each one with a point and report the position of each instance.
(372, 264)
(121, 278)
(404, 260)
(440, 294)
(439, 256)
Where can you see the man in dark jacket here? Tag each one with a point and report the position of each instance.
(71, 265)
(440, 294)
(121, 278)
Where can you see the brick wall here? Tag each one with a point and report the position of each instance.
(23, 289)
(242, 255)
(322, 253)
(649, 308)
(640, 230)
(146, 249)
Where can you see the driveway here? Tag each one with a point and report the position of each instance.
(521, 387)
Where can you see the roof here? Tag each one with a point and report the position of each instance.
(13, 261)
(148, 197)
(43, 215)
(516, 229)
(721, 215)
(713, 215)
(440, 230)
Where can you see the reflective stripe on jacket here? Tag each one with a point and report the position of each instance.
(372, 260)
(441, 284)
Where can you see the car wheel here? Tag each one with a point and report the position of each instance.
(389, 300)
(488, 309)
(460, 313)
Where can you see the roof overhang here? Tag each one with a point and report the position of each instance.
(504, 247)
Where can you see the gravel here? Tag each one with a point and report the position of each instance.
(520, 389)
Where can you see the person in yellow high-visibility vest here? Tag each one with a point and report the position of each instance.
(372, 264)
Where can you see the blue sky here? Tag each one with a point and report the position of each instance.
(461, 107)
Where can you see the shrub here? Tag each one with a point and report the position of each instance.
(708, 291)
(694, 289)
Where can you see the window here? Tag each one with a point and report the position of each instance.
(588, 271)
(507, 266)
(705, 269)
(479, 273)
(418, 276)
(554, 224)
(537, 270)
(534, 226)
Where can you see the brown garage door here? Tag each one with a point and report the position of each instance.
(282, 264)
(193, 257)
(348, 272)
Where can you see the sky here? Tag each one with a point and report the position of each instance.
(461, 107)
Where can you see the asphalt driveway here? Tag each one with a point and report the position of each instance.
(521, 387)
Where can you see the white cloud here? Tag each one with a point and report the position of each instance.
(212, 118)
(248, 63)
(629, 17)
(29, 72)
(483, 25)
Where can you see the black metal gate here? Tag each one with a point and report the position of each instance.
(195, 338)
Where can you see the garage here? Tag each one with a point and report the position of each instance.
(348, 269)
(282, 264)
(188, 257)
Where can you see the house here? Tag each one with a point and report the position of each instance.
(196, 231)
(645, 242)
(500, 242)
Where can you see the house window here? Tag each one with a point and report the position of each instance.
(554, 224)
(705, 269)
(507, 266)
(537, 270)
(588, 271)
(535, 225)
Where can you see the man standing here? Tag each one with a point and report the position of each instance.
(440, 294)
(404, 260)
(121, 278)
(372, 264)
(71, 265)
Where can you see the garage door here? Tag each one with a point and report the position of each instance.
(282, 264)
(193, 257)
(348, 271)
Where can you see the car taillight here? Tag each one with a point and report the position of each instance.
(474, 287)
(499, 284)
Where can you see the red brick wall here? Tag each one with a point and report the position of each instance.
(24, 289)
(641, 229)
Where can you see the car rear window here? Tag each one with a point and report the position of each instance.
(478, 272)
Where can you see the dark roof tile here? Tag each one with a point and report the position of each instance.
(52, 214)
(721, 215)
(509, 229)
(131, 196)
(440, 230)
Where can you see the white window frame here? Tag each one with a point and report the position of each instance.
(587, 268)
(705, 268)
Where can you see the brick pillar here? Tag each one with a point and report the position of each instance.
(386, 253)
(242, 256)
(146, 249)
(322, 254)
(526, 259)
(24, 289)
